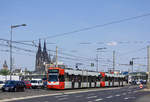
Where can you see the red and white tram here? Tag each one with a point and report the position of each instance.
(67, 78)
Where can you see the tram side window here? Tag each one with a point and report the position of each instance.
(61, 78)
(66, 76)
(94, 79)
(115, 79)
(106, 78)
(97, 78)
(78, 78)
(103, 79)
(89, 78)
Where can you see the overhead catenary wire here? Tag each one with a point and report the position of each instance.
(34, 45)
(97, 26)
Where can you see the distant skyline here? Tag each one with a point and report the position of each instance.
(51, 17)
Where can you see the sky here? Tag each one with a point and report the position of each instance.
(47, 18)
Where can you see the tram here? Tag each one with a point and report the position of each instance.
(68, 78)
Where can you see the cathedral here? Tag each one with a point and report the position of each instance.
(42, 58)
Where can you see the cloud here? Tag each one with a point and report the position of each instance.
(113, 43)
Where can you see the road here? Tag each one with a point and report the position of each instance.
(123, 94)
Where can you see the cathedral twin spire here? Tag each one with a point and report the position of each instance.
(41, 56)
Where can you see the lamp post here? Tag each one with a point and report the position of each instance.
(11, 28)
(98, 49)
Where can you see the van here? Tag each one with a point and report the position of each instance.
(36, 83)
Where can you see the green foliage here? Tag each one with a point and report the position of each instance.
(4, 72)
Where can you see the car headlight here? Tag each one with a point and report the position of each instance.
(12, 87)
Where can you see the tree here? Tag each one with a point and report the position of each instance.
(4, 72)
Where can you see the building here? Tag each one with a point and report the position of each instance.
(5, 66)
(42, 58)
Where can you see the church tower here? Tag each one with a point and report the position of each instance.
(41, 59)
(5, 65)
(38, 58)
(45, 54)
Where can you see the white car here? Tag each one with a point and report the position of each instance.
(138, 82)
(1, 84)
(36, 83)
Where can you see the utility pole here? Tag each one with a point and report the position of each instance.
(56, 56)
(97, 50)
(148, 66)
(11, 28)
(11, 52)
(113, 61)
(97, 62)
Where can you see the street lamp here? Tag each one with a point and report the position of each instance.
(98, 49)
(11, 28)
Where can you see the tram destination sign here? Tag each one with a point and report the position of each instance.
(53, 71)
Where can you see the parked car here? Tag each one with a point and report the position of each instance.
(138, 82)
(12, 85)
(28, 84)
(1, 84)
(36, 83)
(133, 83)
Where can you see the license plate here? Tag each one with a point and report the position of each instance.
(6, 88)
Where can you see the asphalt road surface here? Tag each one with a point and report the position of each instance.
(123, 94)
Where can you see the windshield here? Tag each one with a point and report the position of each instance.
(33, 81)
(1, 82)
(53, 78)
(10, 82)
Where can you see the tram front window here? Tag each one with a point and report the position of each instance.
(53, 78)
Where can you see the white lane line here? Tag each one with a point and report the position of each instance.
(117, 95)
(124, 94)
(135, 91)
(126, 98)
(61, 96)
(92, 97)
(28, 97)
(89, 101)
(82, 91)
(62, 99)
(109, 97)
(98, 99)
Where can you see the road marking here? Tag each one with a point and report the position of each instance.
(98, 99)
(109, 97)
(61, 96)
(92, 97)
(124, 94)
(126, 98)
(62, 99)
(117, 95)
(81, 91)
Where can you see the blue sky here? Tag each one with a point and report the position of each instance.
(50, 17)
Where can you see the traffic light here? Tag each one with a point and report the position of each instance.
(131, 62)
